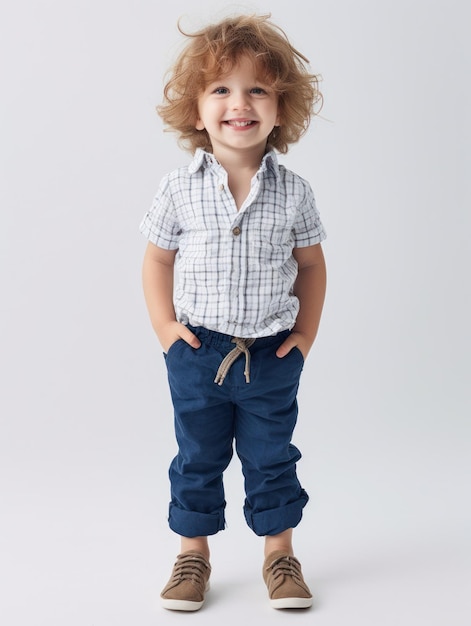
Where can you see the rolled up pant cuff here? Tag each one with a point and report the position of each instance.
(275, 521)
(194, 524)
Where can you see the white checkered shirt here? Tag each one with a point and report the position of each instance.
(235, 269)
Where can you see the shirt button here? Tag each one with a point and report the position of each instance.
(221, 186)
(236, 231)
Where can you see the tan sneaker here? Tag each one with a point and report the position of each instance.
(188, 583)
(286, 587)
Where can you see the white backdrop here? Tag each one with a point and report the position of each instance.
(86, 429)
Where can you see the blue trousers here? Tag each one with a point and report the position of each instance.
(259, 417)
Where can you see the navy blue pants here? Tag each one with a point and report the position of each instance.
(258, 416)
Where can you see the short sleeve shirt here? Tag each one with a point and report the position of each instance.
(235, 269)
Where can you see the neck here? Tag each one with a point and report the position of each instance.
(235, 162)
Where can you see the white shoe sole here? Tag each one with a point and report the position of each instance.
(181, 605)
(291, 603)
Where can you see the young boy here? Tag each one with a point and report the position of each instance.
(244, 234)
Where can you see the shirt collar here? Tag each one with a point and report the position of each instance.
(206, 159)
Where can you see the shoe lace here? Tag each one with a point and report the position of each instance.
(286, 566)
(190, 567)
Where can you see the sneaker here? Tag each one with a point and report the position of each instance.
(188, 583)
(285, 582)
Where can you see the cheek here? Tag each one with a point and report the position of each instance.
(201, 116)
(199, 124)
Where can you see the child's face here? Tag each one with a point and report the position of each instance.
(238, 110)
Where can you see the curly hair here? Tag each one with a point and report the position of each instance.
(215, 51)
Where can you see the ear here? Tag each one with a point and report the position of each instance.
(199, 124)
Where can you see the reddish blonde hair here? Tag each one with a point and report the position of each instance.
(214, 51)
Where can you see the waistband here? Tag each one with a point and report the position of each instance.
(235, 347)
(223, 341)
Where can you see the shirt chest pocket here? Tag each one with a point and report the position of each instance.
(272, 248)
(271, 233)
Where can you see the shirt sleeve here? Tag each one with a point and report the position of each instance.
(308, 228)
(160, 224)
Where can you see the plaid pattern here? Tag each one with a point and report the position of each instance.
(235, 269)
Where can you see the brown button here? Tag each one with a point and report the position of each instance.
(236, 231)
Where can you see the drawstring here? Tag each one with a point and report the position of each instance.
(242, 347)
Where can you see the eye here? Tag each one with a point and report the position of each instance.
(221, 91)
(258, 91)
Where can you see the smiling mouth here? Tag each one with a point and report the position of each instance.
(240, 123)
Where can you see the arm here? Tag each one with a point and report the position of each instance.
(309, 288)
(157, 278)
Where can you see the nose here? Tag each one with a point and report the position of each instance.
(240, 102)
